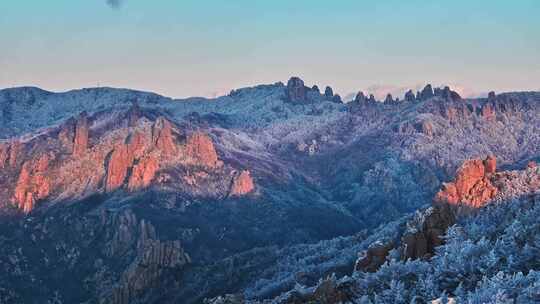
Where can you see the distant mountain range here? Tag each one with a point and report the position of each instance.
(120, 196)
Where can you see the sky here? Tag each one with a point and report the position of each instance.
(182, 48)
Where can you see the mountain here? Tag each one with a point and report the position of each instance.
(120, 196)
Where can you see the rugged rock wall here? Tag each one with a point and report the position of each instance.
(130, 155)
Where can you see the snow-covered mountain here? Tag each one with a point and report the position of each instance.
(140, 198)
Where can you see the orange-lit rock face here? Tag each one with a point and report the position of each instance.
(163, 136)
(121, 159)
(201, 150)
(128, 152)
(33, 184)
(80, 142)
(532, 164)
(242, 184)
(472, 186)
(143, 173)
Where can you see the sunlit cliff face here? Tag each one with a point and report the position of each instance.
(88, 155)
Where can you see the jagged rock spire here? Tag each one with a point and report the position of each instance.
(296, 91)
(360, 97)
(409, 96)
(426, 93)
(328, 92)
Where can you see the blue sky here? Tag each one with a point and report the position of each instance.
(185, 48)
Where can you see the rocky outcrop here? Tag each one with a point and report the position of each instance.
(33, 184)
(143, 173)
(242, 184)
(426, 93)
(200, 149)
(328, 93)
(337, 98)
(472, 187)
(154, 257)
(360, 98)
(371, 259)
(448, 94)
(296, 91)
(162, 136)
(425, 232)
(409, 96)
(119, 162)
(389, 99)
(80, 141)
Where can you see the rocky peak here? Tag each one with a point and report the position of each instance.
(162, 136)
(296, 90)
(372, 99)
(389, 99)
(119, 162)
(360, 98)
(328, 93)
(409, 96)
(80, 141)
(446, 93)
(315, 88)
(472, 187)
(426, 93)
(200, 148)
(337, 99)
